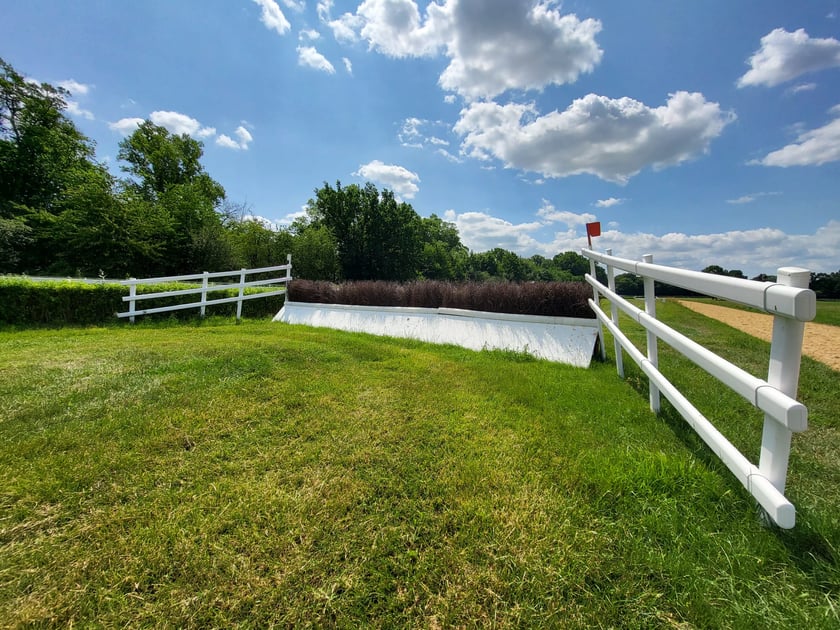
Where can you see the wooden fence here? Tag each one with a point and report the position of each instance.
(206, 288)
(791, 304)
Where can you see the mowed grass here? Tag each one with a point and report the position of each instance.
(257, 475)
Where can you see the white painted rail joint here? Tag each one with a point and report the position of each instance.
(791, 304)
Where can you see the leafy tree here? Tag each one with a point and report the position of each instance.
(376, 236)
(165, 170)
(574, 263)
(41, 151)
(443, 256)
(720, 271)
(315, 253)
(629, 284)
(826, 285)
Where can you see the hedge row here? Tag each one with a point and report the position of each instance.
(558, 299)
(24, 302)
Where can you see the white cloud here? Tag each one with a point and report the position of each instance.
(452, 158)
(480, 232)
(609, 202)
(761, 250)
(812, 148)
(295, 5)
(244, 138)
(178, 123)
(449, 99)
(415, 133)
(309, 34)
(550, 214)
(516, 45)
(266, 223)
(802, 87)
(125, 126)
(311, 58)
(613, 139)
(783, 56)
(344, 28)
(348, 65)
(399, 179)
(751, 197)
(273, 17)
(76, 110)
(492, 45)
(74, 87)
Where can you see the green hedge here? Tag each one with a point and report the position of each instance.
(24, 302)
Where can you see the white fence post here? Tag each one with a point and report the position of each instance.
(619, 357)
(241, 294)
(596, 299)
(783, 374)
(204, 292)
(132, 293)
(652, 349)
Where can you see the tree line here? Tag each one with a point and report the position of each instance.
(63, 213)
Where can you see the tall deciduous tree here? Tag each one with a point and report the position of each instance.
(165, 170)
(377, 237)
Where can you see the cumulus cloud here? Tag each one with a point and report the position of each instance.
(783, 56)
(74, 87)
(243, 139)
(492, 45)
(273, 17)
(397, 178)
(609, 202)
(311, 58)
(550, 214)
(812, 148)
(76, 110)
(348, 65)
(309, 34)
(125, 126)
(612, 139)
(761, 250)
(178, 123)
(480, 232)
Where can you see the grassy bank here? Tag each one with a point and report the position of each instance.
(213, 474)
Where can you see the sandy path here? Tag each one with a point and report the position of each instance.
(822, 342)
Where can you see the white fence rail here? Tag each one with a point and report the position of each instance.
(206, 288)
(789, 301)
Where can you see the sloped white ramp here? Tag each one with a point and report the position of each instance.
(561, 339)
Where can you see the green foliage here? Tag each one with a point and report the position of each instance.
(826, 285)
(376, 236)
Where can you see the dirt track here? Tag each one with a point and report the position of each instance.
(822, 342)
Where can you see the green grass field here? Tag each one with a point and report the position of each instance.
(257, 475)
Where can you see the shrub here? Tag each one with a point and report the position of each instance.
(25, 302)
(557, 299)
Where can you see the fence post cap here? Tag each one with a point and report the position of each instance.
(794, 277)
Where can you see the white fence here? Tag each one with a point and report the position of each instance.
(133, 297)
(789, 301)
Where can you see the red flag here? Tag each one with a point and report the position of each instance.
(593, 229)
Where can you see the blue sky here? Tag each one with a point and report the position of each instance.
(701, 132)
